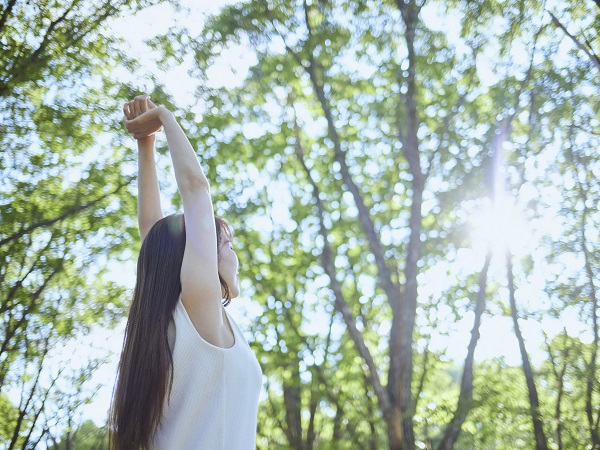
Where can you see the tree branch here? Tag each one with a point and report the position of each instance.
(69, 212)
(423, 373)
(26, 313)
(391, 289)
(593, 57)
(24, 409)
(42, 47)
(6, 13)
(7, 301)
(589, 270)
(403, 323)
(560, 380)
(340, 302)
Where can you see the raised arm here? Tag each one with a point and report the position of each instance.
(149, 209)
(201, 289)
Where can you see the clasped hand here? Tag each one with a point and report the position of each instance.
(142, 117)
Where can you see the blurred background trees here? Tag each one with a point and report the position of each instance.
(397, 175)
(65, 206)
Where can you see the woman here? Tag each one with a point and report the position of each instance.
(187, 378)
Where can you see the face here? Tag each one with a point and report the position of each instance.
(229, 266)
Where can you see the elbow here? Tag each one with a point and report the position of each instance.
(195, 183)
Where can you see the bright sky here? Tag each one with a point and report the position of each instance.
(503, 224)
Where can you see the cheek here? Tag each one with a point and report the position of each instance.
(230, 258)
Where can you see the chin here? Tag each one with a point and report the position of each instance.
(235, 287)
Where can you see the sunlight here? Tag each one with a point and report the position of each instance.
(500, 226)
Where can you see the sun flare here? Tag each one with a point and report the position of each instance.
(501, 226)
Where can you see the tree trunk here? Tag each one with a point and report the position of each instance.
(541, 442)
(465, 399)
(293, 406)
(560, 379)
(591, 379)
(401, 358)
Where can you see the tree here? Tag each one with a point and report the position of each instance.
(86, 437)
(380, 138)
(65, 204)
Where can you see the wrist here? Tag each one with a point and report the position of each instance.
(164, 114)
(146, 144)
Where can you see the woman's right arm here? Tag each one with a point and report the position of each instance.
(201, 289)
(149, 210)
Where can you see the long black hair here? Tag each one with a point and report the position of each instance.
(145, 373)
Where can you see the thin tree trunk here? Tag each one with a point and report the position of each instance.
(22, 323)
(339, 299)
(423, 374)
(391, 411)
(337, 422)
(25, 409)
(40, 437)
(37, 415)
(370, 417)
(465, 398)
(541, 442)
(560, 378)
(310, 432)
(291, 400)
(591, 380)
(321, 381)
(275, 410)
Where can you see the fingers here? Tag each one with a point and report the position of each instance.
(140, 129)
(127, 110)
(140, 104)
(132, 113)
(141, 118)
(133, 126)
(130, 127)
(136, 107)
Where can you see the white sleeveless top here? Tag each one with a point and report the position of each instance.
(214, 398)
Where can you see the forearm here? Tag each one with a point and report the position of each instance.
(149, 209)
(188, 172)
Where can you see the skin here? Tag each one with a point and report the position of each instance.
(228, 260)
(228, 267)
(143, 119)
